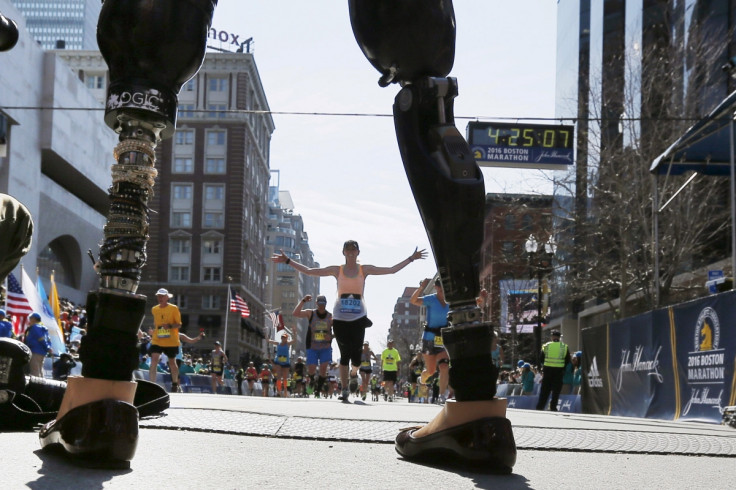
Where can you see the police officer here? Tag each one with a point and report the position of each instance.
(555, 356)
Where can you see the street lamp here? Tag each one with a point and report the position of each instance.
(540, 261)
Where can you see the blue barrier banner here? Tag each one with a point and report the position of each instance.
(676, 362)
(522, 402)
(567, 403)
(704, 333)
(635, 364)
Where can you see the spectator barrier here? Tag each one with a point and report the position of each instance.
(673, 363)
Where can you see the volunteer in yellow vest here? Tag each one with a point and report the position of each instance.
(165, 336)
(555, 356)
(390, 359)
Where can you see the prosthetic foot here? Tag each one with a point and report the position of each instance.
(151, 49)
(413, 43)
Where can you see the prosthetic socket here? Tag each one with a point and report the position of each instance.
(151, 49)
(413, 43)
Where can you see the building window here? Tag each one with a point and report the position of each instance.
(527, 222)
(211, 302)
(184, 137)
(509, 222)
(214, 192)
(181, 219)
(183, 166)
(180, 300)
(190, 86)
(216, 137)
(180, 245)
(214, 166)
(179, 273)
(212, 274)
(508, 251)
(182, 192)
(218, 84)
(212, 246)
(95, 81)
(186, 110)
(213, 220)
(216, 110)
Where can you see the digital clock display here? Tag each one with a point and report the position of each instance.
(543, 146)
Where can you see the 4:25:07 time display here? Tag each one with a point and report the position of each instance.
(520, 135)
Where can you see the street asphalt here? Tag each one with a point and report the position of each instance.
(220, 442)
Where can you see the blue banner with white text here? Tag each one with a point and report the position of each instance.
(673, 363)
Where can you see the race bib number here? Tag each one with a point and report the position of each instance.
(390, 361)
(281, 359)
(320, 336)
(350, 305)
(438, 341)
(365, 364)
(164, 333)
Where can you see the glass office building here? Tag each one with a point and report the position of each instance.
(61, 24)
(631, 75)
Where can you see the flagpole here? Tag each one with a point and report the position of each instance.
(227, 311)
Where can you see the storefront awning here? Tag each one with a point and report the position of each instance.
(704, 148)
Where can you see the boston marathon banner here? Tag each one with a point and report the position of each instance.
(672, 363)
(704, 338)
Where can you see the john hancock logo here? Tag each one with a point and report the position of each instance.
(638, 363)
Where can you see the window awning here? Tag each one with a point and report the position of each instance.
(703, 148)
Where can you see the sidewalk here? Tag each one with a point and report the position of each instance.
(221, 442)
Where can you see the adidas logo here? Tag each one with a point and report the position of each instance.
(594, 377)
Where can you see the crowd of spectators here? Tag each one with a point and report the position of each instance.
(528, 375)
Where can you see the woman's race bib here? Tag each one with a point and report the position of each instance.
(438, 341)
(350, 306)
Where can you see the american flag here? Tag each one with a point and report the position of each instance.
(237, 303)
(274, 316)
(17, 305)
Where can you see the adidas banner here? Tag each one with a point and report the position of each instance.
(594, 386)
(672, 363)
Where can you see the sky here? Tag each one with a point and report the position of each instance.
(344, 172)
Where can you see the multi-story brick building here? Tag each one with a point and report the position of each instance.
(210, 206)
(510, 219)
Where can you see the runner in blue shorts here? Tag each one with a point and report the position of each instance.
(319, 339)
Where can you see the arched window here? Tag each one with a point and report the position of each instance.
(62, 257)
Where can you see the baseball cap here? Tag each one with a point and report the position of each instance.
(366, 343)
(35, 315)
(217, 342)
(527, 365)
(555, 333)
(163, 292)
(520, 363)
(2, 313)
(321, 300)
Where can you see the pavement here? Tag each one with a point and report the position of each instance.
(231, 442)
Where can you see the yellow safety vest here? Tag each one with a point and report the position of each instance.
(554, 354)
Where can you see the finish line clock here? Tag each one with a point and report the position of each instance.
(542, 146)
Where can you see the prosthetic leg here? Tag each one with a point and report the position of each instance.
(152, 49)
(412, 43)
